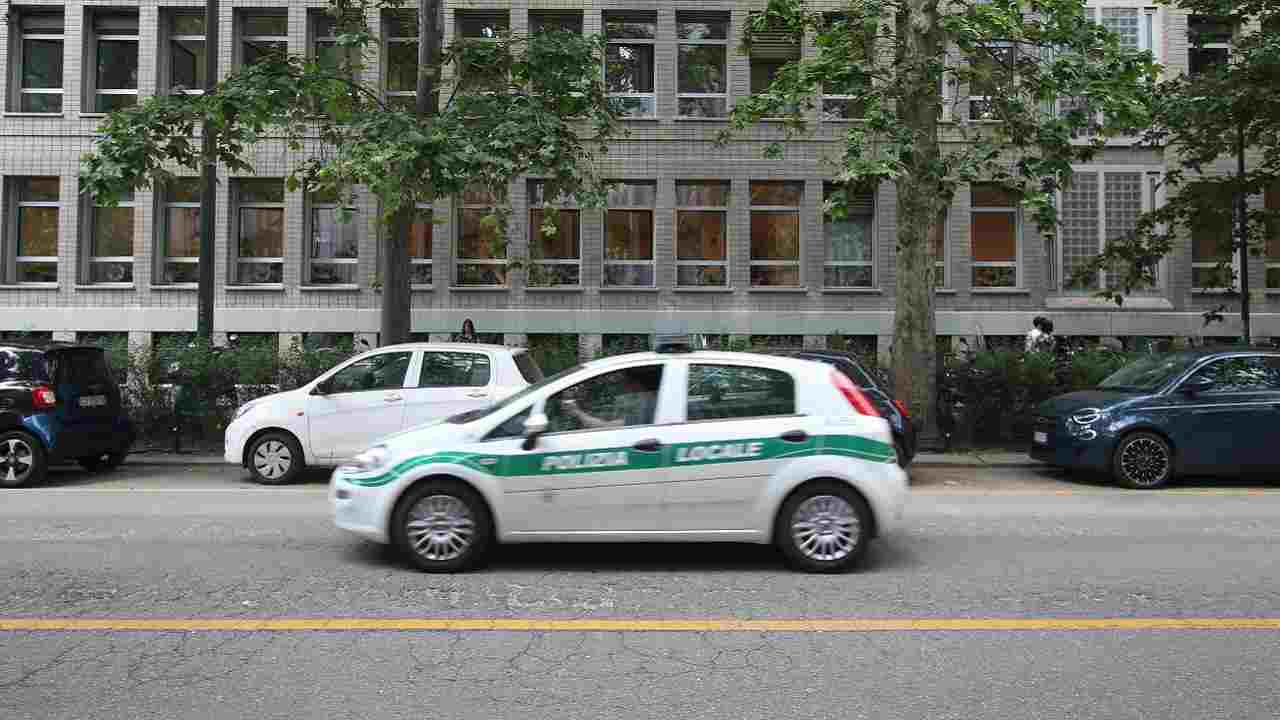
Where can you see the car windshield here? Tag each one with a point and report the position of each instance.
(1148, 374)
(26, 365)
(478, 413)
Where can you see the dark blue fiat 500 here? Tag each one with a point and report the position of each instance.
(1210, 411)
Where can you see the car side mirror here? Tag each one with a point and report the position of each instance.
(1197, 384)
(533, 427)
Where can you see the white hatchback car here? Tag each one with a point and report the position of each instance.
(377, 393)
(688, 446)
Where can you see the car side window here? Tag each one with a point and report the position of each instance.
(454, 369)
(1241, 374)
(622, 398)
(377, 372)
(512, 427)
(726, 392)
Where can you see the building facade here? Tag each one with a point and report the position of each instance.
(718, 240)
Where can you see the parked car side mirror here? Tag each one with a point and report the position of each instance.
(1196, 384)
(533, 427)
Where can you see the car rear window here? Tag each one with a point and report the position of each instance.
(726, 392)
(529, 370)
(454, 369)
(28, 365)
(78, 367)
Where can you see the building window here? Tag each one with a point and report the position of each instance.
(482, 251)
(702, 242)
(993, 76)
(940, 264)
(1271, 200)
(262, 35)
(180, 233)
(840, 95)
(555, 20)
(994, 236)
(34, 229)
(400, 57)
(555, 258)
(770, 52)
(775, 233)
(1210, 39)
(1213, 264)
(420, 242)
(628, 235)
(324, 43)
(110, 256)
(1135, 28)
(850, 240)
(259, 232)
(703, 52)
(485, 26)
(629, 63)
(187, 66)
(36, 61)
(335, 241)
(113, 45)
(1093, 210)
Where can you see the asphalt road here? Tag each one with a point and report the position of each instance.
(980, 547)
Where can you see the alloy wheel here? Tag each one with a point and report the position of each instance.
(17, 460)
(440, 527)
(825, 528)
(1145, 461)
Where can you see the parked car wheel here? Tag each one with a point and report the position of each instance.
(1143, 461)
(105, 461)
(823, 528)
(275, 458)
(22, 459)
(443, 527)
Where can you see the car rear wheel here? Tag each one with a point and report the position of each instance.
(823, 528)
(1143, 461)
(442, 527)
(22, 459)
(275, 458)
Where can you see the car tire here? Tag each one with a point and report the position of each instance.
(275, 458)
(22, 459)
(1143, 461)
(105, 461)
(442, 526)
(824, 527)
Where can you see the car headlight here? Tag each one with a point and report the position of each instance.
(372, 460)
(1087, 416)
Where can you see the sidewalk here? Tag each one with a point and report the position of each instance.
(956, 459)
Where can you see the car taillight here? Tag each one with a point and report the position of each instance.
(43, 398)
(851, 393)
(902, 407)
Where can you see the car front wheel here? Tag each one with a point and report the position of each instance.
(1143, 461)
(442, 526)
(823, 528)
(22, 459)
(275, 458)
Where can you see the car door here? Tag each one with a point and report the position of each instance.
(1230, 425)
(361, 402)
(740, 424)
(600, 466)
(448, 383)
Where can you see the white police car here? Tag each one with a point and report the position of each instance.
(687, 446)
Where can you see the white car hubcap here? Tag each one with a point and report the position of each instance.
(272, 459)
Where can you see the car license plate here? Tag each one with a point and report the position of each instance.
(93, 401)
(1041, 438)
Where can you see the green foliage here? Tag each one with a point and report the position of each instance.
(553, 352)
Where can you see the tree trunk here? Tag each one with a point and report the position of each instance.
(208, 183)
(922, 200)
(396, 294)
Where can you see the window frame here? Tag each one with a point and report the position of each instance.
(428, 262)
(88, 258)
(632, 17)
(1213, 264)
(652, 262)
(240, 206)
(1151, 199)
(666, 373)
(1016, 263)
(242, 17)
(314, 206)
(975, 101)
(723, 211)
(1150, 31)
(93, 38)
(388, 18)
(17, 42)
(404, 381)
(1271, 203)
(163, 258)
(461, 205)
(828, 221)
(167, 17)
(752, 210)
(1193, 46)
(13, 230)
(690, 368)
(693, 17)
(562, 205)
(941, 266)
(830, 18)
(422, 368)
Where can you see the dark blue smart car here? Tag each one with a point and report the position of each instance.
(58, 403)
(1213, 411)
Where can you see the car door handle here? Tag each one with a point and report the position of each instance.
(393, 398)
(650, 445)
(477, 394)
(794, 436)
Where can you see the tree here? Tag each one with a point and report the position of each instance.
(518, 106)
(892, 60)
(1220, 126)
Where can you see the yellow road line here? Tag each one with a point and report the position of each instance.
(839, 625)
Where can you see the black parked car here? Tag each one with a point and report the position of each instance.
(1209, 411)
(904, 432)
(58, 403)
